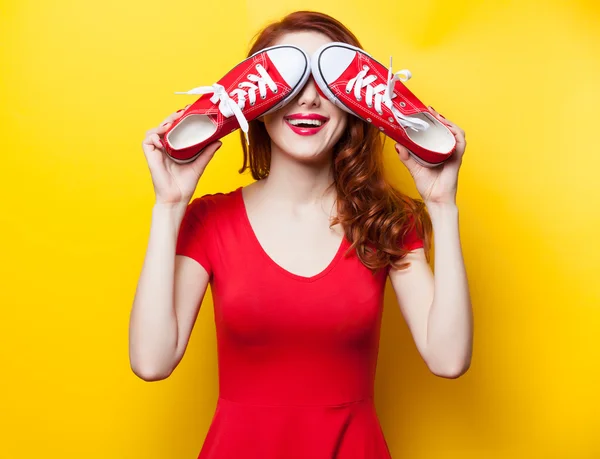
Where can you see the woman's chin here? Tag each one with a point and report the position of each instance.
(308, 156)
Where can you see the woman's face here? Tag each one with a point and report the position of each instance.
(288, 136)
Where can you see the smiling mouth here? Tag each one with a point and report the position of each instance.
(305, 123)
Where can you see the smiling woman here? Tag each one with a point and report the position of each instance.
(366, 203)
(297, 263)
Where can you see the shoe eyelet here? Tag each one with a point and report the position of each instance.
(369, 120)
(275, 91)
(390, 119)
(369, 105)
(381, 129)
(263, 97)
(359, 98)
(347, 91)
(380, 113)
(365, 67)
(240, 85)
(402, 104)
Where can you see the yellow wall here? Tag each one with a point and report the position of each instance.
(80, 84)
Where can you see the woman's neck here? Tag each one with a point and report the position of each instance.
(299, 183)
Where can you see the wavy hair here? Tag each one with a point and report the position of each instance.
(374, 215)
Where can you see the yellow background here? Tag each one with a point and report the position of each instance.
(81, 82)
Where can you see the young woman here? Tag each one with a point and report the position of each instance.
(297, 263)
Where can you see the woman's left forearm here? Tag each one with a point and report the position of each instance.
(450, 320)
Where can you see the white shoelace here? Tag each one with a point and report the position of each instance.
(229, 107)
(384, 92)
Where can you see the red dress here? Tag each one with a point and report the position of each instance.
(296, 355)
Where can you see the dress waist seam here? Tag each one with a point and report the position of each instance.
(300, 405)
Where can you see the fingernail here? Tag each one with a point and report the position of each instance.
(180, 110)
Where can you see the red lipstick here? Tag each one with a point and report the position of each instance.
(305, 123)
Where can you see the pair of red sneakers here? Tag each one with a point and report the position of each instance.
(347, 76)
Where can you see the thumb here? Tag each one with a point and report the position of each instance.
(406, 158)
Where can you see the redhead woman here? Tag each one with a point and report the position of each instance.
(297, 262)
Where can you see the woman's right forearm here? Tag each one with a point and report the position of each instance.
(153, 321)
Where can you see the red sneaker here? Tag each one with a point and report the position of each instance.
(276, 73)
(358, 84)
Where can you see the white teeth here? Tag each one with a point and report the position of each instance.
(311, 122)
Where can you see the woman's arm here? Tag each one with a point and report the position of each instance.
(438, 309)
(167, 299)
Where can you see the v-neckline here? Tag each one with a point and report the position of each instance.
(248, 225)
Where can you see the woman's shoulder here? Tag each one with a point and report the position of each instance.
(215, 204)
(219, 199)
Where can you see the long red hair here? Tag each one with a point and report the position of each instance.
(375, 216)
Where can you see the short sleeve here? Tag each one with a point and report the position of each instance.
(411, 240)
(195, 236)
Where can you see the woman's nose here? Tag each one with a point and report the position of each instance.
(309, 96)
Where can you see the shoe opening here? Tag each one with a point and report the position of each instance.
(193, 130)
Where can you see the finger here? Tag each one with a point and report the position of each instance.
(459, 133)
(440, 118)
(165, 125)
(173, 116)
(448, 123)
(152, 142)
(459, 149)
(209, 151)
(159, 130)
(167, 122)
(163, 128)
(155, 141)
(445, 121)
(456, 130)
(407, 159)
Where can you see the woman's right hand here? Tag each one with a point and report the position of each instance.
(173, 183)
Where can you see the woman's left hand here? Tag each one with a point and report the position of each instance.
(437, 185)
